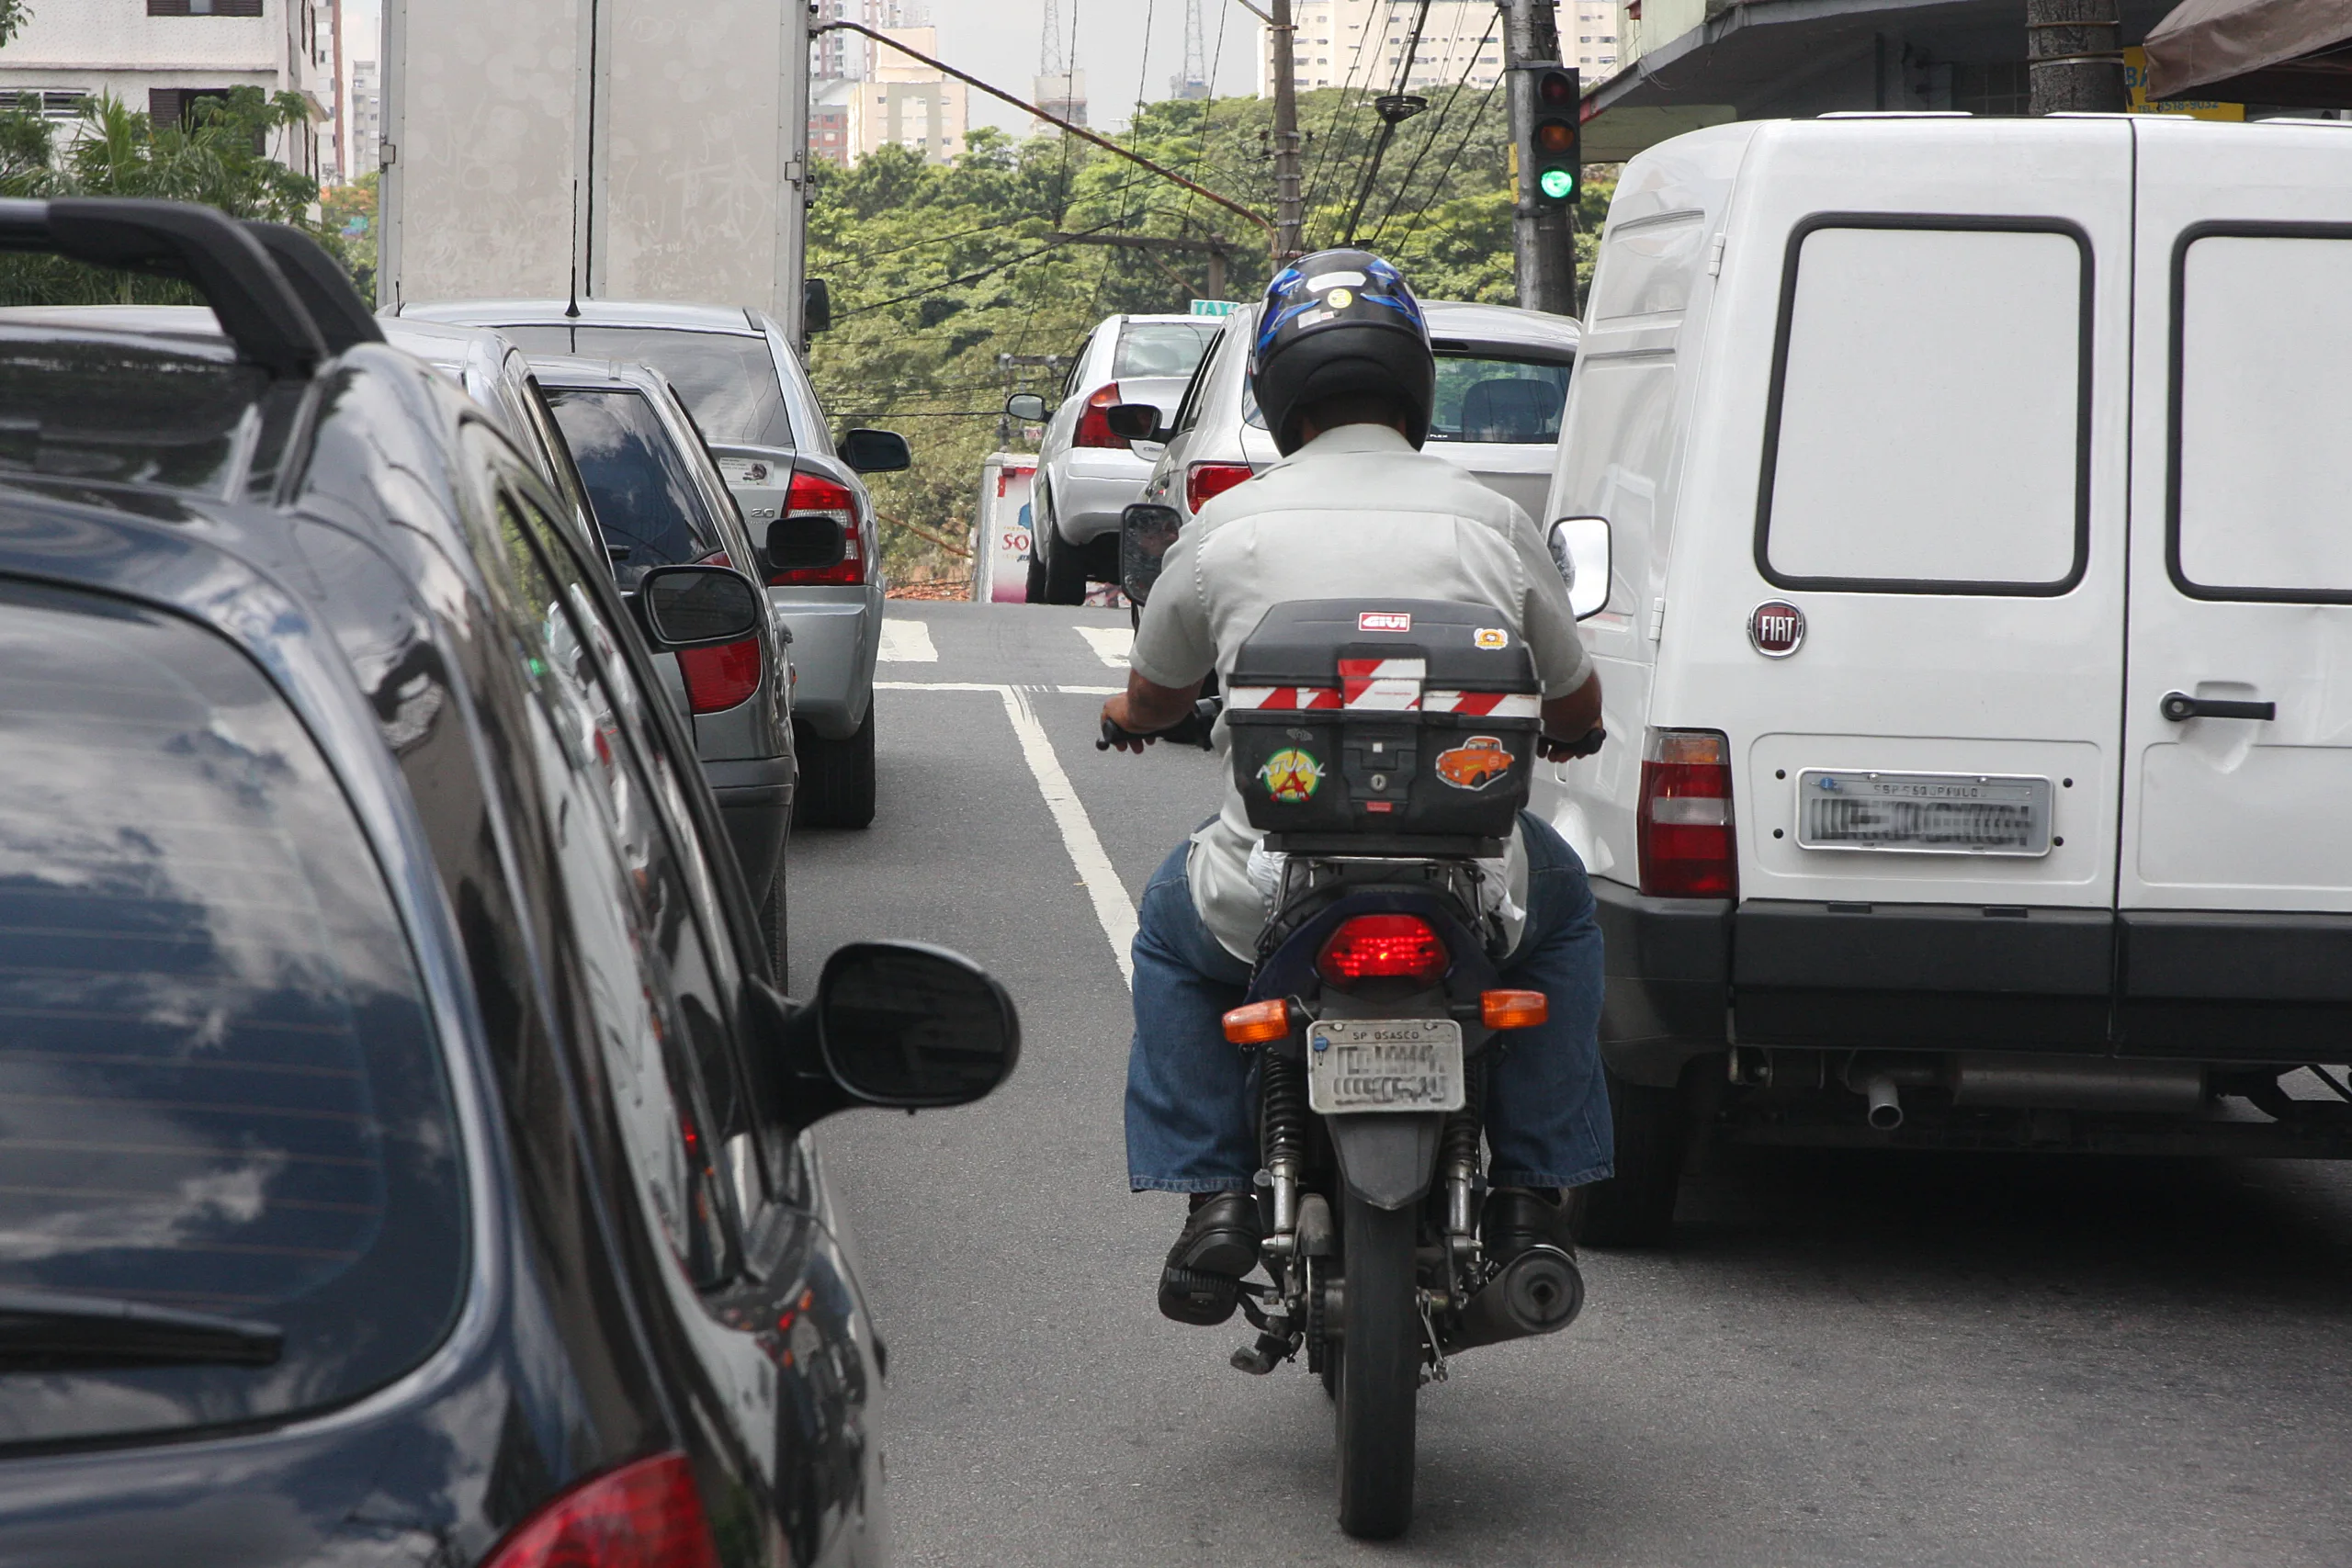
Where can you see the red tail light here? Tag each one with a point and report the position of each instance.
(1688, 849)
(1094, 423)
(1202, 481)
(723, 676)
(645, 1515)
(1400, 947)
(815, 494)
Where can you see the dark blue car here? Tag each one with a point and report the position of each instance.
(400, 1155)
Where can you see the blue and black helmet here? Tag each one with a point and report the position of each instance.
(1337, 323)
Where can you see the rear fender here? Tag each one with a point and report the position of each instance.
(1387, 1158)
(1290, 970)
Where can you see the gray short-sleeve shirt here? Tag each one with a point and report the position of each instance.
(1356, 513)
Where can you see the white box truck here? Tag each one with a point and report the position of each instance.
(540, 149)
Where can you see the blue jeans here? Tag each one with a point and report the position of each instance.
(1192, 1099)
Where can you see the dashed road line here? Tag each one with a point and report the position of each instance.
(1114, 911)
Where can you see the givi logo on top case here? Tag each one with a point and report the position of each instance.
(1776, 628)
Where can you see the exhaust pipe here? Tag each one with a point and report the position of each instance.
(1539, 1291)
(1886, 1106)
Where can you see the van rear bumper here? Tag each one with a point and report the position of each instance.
(1688, 978)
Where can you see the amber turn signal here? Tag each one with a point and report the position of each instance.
(1497, 1010)
(1262, 1022)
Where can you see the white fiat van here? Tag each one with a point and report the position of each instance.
(1963, 510)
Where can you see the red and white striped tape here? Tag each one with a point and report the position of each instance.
(1485, 705)
(1385, 685)
(1281, 699)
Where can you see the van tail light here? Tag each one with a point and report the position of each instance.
(644, 1515)
(1685, 822)
(814, 495)
(720, 677)
(1384, 947)
(1202, 481)
(1094, 419)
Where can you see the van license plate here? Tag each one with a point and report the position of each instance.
(1384, 1064)
(1935, 814)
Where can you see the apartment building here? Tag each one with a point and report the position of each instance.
(904, 103)
(1363, 43)
(164, 56)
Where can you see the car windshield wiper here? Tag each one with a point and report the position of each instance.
(41, 1331)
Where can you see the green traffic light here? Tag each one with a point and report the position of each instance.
(1559, 184)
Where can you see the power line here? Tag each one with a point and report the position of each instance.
(1392, 114)
(1436, 130)
(1447, 173)
(1324, 153)
(969, 276)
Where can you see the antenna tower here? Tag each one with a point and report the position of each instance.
(1049, 43)
(1193, 81)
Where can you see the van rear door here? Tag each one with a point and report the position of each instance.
(1910, 631)
(2236, 865)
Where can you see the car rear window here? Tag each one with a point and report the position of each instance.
(1160, 348)
(1512, 401)
(728, 380)
(219, 1091)
(645, 497)
(117, 408)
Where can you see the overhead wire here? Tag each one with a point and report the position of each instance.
(1436, 130)
(1312, 185)
(1437, 188)
(1387, 124)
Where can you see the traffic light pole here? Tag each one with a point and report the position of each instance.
(1544, 246)
(1290, 210)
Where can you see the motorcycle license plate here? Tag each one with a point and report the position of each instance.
(1384, 1064)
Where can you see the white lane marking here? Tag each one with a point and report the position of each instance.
(1090, 690)
(1110, 643)
(908, 642)
(1114, 911)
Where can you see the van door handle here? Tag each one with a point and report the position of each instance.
(2180, 708)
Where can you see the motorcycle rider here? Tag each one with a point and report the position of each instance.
(1343, 373)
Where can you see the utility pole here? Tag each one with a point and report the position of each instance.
(1290, 209)
(2073, 52)
(1544, 245)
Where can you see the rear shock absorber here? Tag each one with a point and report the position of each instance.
(1281, 1082)
(1458, 1159)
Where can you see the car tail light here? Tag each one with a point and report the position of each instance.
(1202, 481)
(1384, 947)
(1095, 422)
(815, 495)
(723, 676)
(1685, 824)
(644, 1515)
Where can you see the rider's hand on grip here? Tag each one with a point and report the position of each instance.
(1191, 730)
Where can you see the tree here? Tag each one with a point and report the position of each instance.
(937, 269)
(219, 158)
(13, 14)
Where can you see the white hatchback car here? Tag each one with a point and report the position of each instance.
(1086, 475)
(1502, 380)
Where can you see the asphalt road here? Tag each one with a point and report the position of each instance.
(1852, 1359)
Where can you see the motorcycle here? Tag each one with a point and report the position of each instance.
(1375, 1008)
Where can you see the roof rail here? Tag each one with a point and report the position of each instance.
(257, 306)
(342, 317)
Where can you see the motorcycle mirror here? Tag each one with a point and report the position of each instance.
(1145, 530)
(913, 1026)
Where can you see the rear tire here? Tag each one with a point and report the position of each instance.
(1380, 1368)
(836, 777)
(1635, 1207)
(774, 932)
(1065, 568)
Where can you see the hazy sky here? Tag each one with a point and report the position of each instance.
(997, 41)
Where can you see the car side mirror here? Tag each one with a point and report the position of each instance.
(899, 1024)
(816, 306)
(1146, 531)
(807, 541)
(697, 606)
(1580, 550)
(1027, 407)
(1134, 421)
(876, 451)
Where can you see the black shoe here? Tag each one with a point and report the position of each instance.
(1201, 1282)
(1516, 1218)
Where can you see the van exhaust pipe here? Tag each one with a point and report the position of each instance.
(1539, 1291)
(2026, 1081)
(1886, 1106)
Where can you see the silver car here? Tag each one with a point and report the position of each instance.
(1086, 475)
(749, 396)
(658, 501)
(1502, 383)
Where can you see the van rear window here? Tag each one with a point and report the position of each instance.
(2262, 400)
(1929, 425)
(219, 1092)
